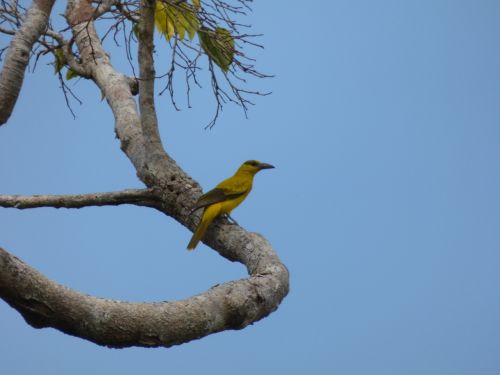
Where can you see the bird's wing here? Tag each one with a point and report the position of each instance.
(215, 196)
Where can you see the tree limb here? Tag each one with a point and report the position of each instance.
(68, 54)
(103, 6)
(138, 197)
(114, 86)
(44, 303)
(12, 75)
(149, 121)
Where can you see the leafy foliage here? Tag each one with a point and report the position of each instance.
(70, 74)
(173, 18)
(218, 45)
(60, 62)
(181, 18)
(191, 28)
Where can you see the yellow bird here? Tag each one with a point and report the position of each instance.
(225, 197)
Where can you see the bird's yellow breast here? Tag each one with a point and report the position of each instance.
(241, 182)
(227, 206)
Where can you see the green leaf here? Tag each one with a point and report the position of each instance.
(163, 23)
(135, 30)
(70, 74)
(60, 60)
(175, 16)
(188, 20)
(180, 18)
(218, 44)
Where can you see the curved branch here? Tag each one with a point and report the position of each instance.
(68, 54)
(43, 303)
(138, 197)
(12, 75)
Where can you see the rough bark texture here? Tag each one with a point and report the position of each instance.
(44, 303)
(233, 305)
(16, 61)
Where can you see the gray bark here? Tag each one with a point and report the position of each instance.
(16, 61)
(233, 305)
(138, 197)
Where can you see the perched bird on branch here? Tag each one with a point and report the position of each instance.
(225, 197)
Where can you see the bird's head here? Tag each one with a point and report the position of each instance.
(254, 166)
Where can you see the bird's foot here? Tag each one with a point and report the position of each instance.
(231, 220)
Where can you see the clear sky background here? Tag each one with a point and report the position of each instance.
(384, 126)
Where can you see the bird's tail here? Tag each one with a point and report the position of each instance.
(208, 216)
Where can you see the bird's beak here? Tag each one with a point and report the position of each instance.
(265, 166)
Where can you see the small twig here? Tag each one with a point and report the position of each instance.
(8, 32)
(170, 75)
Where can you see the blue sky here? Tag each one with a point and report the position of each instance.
(384, 126)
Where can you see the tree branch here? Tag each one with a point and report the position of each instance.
(149, 120)
(138, 197)
(12, 75)
(103, 6)
(44, 303)
(68, 54)
(113, 85)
